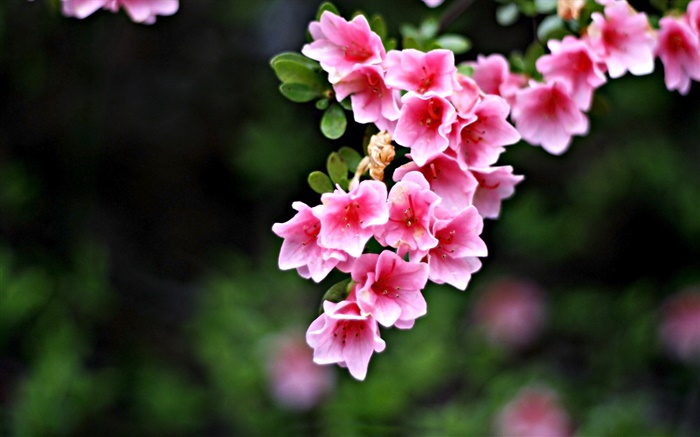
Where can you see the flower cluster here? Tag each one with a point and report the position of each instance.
(429, 221)
(619, 40)
(140, 11)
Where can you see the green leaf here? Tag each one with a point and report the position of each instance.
(326, 6)
(297, 58)
(337, 168)
(320, 182)
(337, 292)
(457, 43)
(297, 92)
(322, 104)
(294, 72)
(346, 103)
(390, 44)
(351, 157)
(507, 14)
(465, 69)
(429, 28)
(533, 53)
(378, 25)
(410, 42)
(550, 27)
(333, 122)
(545, 6)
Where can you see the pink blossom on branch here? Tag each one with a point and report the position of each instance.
(389, 288)
(692, 14)
(140, 11)
(340, 45)
(372, 101)
(545, 114)
(679, 50)
(492, 74)
(346, 336)
(427, 74)
(495, 184)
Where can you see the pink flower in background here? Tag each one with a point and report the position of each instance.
(680, 324)
(692, 14)
(433, 3)
(140, 11)
(492, 74)
(482, 141)
(347, 219)
(411, 210)
(389, 288)
(495, 184)
(343, 335)
(466, 98)
(454, 258)
(300, 249)
(679, 50)
(573, 63)
(533, 412)
(371, 100)
(424, 126)
(295, 381)
(545, 114)
(427, 74)
(447, 179)
(511, 313)
(340, 45)
(623, 40)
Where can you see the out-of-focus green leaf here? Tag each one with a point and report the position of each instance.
(457, 43)
(337, 292)
(545, 6)
(428, 28)
(333, 122)
(378, 25)
(299, 93)
(410, 42)
(551, 27)
(346, 103)
(320, 182)
(295, 72)
(337, 168)
(322, 104)
(533, 53)
(507, 14)
(297, 58)
(465, 69)
(351, 157)
(326, 6)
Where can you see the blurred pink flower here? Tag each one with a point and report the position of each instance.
(692, 14)
(680, 324)
(295, 381)
(495, 184)
(511, 312)
(433, 3)
(492, 74)
(340, 45)
(534, 412)
(346, 336)
(679, 50)
(140, 11)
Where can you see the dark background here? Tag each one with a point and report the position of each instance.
(142, 167)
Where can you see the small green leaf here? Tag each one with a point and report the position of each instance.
(320, 182)
(532, 54)
(351, 157)
(326, 6)
(299, 93)
(507, 14)
(346, 103)
(322, 104)
(293, 72)
(550, 27)
(390, 44)
(545, 6)
(378, 25)
(337, 168)
(410, 42)
(333, 122)
(457, 43)
(337, 292)
(429, 28)
(465, 69)
(295, 57)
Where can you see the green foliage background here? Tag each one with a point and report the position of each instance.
(141, 168)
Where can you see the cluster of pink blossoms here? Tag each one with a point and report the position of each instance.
(140, 11)
(430, 220)
(620, 40)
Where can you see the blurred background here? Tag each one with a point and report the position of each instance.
(141, 170)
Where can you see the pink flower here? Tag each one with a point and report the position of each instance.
(427, 74)
(343, 335)
(466, 98)
(679, 50)
(347, 219)
(296, 382)
(573, 63)
(533, 412)
(424, 125)
(481, 141)
(623, 40)
(692, 14)
(433, 3)
(680, 324)
(389, 288)
(492, 74)
(371, 100)
(454, 258)
(495, 184)
(140, 11)
(511, 313)
(300, 249)
(455, 185)
(411, 206)
(545, 114)
(340, 45)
